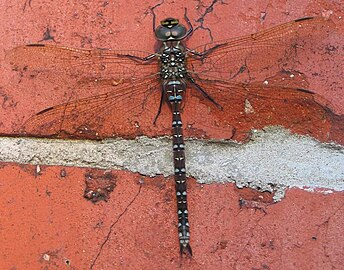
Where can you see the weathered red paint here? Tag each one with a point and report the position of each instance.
(46, 223)
(26, 93)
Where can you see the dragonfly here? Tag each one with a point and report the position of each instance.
(138, 88)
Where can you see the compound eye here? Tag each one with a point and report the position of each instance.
(163, 33)
(175, 33)
(170, 32)
(178, 31)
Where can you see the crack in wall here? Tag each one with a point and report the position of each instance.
(249, 240)
(112, 226)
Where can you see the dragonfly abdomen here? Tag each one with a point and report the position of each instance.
(174, 90)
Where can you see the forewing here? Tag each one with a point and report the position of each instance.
(260, 55)
(81, 63)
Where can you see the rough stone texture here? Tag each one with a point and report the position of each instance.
(273, 159)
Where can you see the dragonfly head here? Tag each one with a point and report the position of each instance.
(170, 30)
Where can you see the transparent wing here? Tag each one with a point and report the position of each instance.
(130, 86)
(126, 109)
(260, 55)
(257, 105)
(82, 63)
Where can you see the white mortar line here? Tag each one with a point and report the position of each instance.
(273, 159)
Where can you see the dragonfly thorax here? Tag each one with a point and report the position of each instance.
(172, 59)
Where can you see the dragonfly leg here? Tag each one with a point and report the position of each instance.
(154, 19)
(206, 52)
(204, 93)
(160, 106)
(141, 59)
(190, 31)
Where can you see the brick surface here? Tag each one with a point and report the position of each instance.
(46, 221)
(126, 26)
